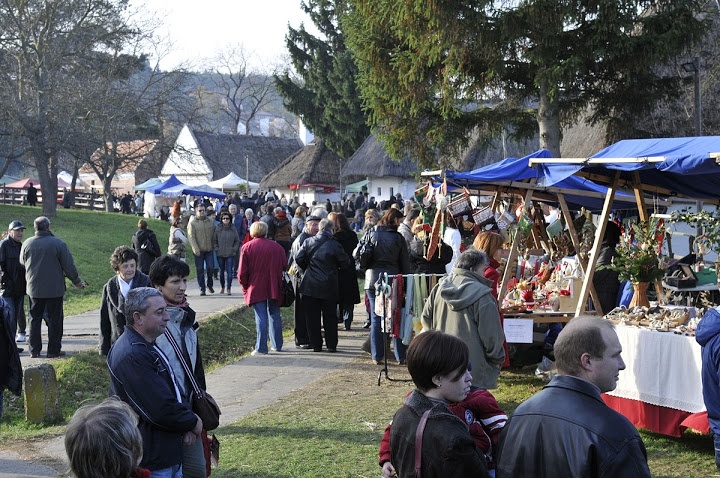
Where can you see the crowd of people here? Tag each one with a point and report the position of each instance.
(450, 425)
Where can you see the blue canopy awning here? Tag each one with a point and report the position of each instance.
(199, 190)
(168, 183)
(682, 166)
(510, 171)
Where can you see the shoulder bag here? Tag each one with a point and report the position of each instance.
(364, 250)
(203, 404)
(288, 290)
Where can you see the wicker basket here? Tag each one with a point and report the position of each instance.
(483, 215)
(459, 205)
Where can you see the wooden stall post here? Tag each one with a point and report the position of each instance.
(576, 243)
(599, 234)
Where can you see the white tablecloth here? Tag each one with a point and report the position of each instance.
(662, 368)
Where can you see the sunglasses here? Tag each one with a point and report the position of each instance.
(226, 218)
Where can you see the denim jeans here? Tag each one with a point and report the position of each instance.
(226, 269)
(205, 259)
(263, 310)
(172, 472)
(716, 440)
(377, 349)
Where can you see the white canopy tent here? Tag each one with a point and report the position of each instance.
(232, 181)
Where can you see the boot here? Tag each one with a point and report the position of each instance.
(222, 290)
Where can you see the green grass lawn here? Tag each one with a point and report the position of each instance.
(91, 237)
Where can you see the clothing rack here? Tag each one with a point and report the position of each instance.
(388, 283)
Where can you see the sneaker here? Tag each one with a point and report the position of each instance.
(35, 354)
(366, 325)
(222, 291)
(21, 337)
(211, 290)
(255, 352)
(273, 349)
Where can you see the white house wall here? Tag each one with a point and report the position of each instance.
(307, 195)
(186, 162)
(380, 187)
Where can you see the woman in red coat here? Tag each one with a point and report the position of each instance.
(262, 262)
(492, 244)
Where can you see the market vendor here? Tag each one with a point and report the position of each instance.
(606, 282)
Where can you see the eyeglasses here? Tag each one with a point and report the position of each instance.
(226, 219)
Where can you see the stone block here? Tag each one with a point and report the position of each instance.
(41, 394)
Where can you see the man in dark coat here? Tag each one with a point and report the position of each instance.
(31, 195)
(566, 429)
(12, 281)
(10, 367)
(321, 257)
(302, 340)
(141, 376)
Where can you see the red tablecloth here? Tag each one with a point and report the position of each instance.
(658, 419)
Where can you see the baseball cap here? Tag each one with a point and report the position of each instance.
(16, 225)
(313, 218)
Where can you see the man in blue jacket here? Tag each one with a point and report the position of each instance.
(141, 376)
(708, 336)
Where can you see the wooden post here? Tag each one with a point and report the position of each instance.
(576, 244)
(595, 252)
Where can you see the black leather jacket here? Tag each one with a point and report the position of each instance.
(320, 257)
(567, 430)
(390, 255)
(448, 450)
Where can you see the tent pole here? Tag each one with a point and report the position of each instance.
(513, 255)
(576, 243)
(595, 252)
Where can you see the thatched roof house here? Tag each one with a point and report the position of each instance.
(198, 157)
(312, 173)
(384, 176)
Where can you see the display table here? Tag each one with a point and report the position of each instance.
(541, 317)
(660, 389)
(692, 292)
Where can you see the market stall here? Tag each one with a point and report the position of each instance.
(513, 178)
(661, 387)
(669, 167)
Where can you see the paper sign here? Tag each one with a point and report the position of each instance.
(519, 331)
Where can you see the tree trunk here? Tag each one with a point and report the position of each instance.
(47, 175)
(107, 194)
(548, 116)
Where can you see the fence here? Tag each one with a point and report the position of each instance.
(79, 200)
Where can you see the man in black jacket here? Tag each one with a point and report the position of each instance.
(566, 429)
(321, 257)
(302, 341)
(12, 278)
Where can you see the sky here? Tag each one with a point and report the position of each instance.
(201, 29)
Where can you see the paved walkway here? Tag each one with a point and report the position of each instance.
(239, 388)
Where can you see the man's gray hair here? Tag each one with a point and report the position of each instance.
(326, 225)
(320, 212)
(471, 258)
(42, 223)
(137, 301)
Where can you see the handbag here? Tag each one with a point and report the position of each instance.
(364, 250)
(203, 404)
(288, 290)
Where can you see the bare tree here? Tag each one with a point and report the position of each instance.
(245, 91)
